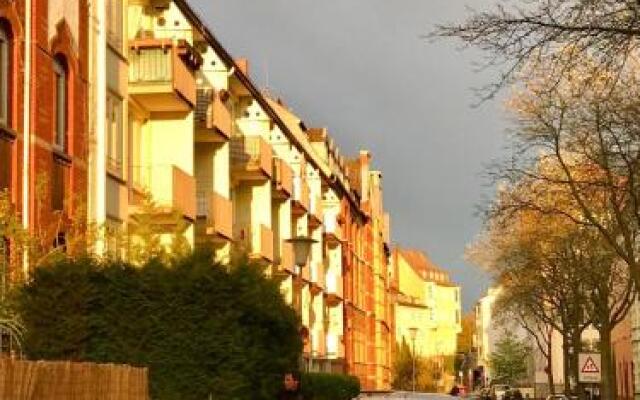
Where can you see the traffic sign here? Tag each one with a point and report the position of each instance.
(590, 368)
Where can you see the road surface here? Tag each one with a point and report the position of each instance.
(408, 396)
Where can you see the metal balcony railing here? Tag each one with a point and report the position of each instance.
(251, 154)
(212, 113)
(283, 176)
(160, 67)
(218, 212)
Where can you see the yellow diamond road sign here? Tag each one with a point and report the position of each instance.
(590, 367)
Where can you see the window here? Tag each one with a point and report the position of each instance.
(114, 24)
(57, 186)
(6, 73)
(61, 106)
(5, 164)
(114, 134)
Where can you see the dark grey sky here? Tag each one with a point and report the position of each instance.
(360, 68)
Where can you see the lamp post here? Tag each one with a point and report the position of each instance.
(301, 250)
(413, 332)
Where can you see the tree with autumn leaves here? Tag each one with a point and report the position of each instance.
(561, 236)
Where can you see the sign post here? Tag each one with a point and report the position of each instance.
(590, 368)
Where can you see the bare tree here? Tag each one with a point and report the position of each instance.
(538, 32)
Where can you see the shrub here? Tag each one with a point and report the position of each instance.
(203, 330)
(318, 386)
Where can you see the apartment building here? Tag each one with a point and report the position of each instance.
(429, 304)
(136, 116)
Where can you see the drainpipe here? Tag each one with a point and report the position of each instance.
(26, 131)
(100, 129)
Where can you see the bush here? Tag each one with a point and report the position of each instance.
(202, 330)
(317, 386)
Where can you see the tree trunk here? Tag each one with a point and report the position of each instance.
(608, 386)
(566, 364)
(575, 367)
(549, 369)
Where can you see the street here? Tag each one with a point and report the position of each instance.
(408, 395)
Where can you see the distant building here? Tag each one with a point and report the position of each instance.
(428, 301)
(490, 330)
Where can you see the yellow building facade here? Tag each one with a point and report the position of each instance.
(192, 149)
(427, 302)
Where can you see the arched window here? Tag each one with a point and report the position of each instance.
(6, 73)
(61, 102)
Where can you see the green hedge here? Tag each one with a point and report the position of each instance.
(203, 330)
(317, 386)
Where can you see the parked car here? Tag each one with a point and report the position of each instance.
(557, 397)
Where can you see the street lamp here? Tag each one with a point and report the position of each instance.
(413, 332)
(301, 249)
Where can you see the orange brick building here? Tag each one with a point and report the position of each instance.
(43, 97)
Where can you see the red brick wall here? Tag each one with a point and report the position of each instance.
(42, 102)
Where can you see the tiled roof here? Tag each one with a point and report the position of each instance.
(424, 267)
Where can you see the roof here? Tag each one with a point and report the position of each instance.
(224, 55)
(424, 267)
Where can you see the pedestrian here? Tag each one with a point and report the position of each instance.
(291, 389)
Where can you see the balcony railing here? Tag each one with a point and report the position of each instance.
(161, 74)
(282, 177)
(251, 155)
(218, 212)
(212, 113)
(169, 187)
(266, 243)
(301, 193)
(287, 259)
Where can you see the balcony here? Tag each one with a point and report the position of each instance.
(333, 289)
(317, 277)
(212, 117)
(301, 196)
(218, 215)
(251, 158)
(161, 74)
(315, 212)
(262, 246)
(287, 260)
(282, 179)
(168, 187)
(332, 230)
(335, 346)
